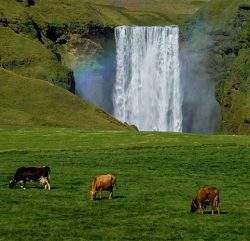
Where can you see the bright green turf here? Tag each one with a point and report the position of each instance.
(110, 12)
(157, 176)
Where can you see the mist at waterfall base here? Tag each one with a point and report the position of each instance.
(94, 83)
(200, 109)
(200, 112)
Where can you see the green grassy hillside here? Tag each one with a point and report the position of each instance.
(28, 57)
(105, 12)
(158, 174)
(33, 102)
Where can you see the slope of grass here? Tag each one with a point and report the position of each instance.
(112, 13)
(159, 6)
(157, 176)
(32, 102)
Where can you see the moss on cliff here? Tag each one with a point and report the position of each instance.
(220, 33)
(230, 25)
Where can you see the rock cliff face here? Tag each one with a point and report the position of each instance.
(70, 45)
(231, 55)
(218, 38)
(29, 52)
(91, 55)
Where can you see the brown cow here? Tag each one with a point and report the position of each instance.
(206, 196)
(101, 183)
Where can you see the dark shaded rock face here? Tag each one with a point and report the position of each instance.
(31, 3)
(245, 7)
(3, 21)
(57, 33)
(28, 3)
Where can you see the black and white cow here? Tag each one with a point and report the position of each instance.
(36, 174)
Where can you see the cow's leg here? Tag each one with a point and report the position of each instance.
(22, 184)
(100, 193)
(48, 185)
(201, 208)
(218, 208)
(216, 204)
(111, 193)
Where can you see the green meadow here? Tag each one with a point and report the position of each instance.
(158, 174)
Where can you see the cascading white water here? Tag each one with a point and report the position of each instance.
(147, 91)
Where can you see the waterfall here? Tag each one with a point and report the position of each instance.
(147, 91)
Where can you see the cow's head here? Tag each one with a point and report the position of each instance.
(43, 180)
(194, 205)
(92, 195)
(12, 183)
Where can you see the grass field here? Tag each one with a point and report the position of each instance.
(157, 176)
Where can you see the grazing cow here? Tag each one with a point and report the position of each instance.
(103, 182)
(37, 174)
(206, 196)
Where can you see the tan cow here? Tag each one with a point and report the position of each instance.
(206, 196)
(101, 183)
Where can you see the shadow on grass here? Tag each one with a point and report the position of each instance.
(215, 213)
(32, 187)
(106, 198)
(208, 213)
